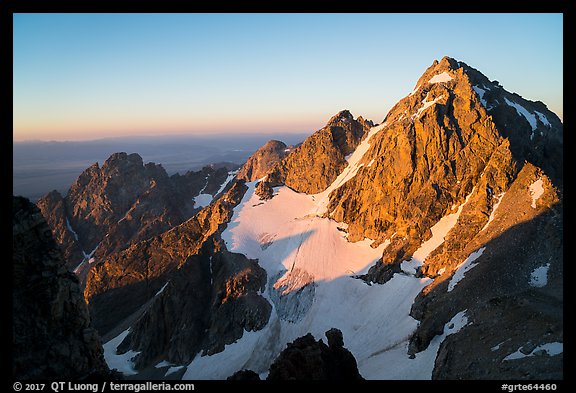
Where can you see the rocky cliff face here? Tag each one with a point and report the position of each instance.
(264, 159)
(320, 158)
(191, 295)
(52, 334)
(512, 308)
(123, 202)
(457, 135)
(461, 145)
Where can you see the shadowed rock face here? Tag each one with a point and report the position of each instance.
(52, 334)
(206, 305)
(307, 359)
(505, 311)
(123, 202)
(244, 375)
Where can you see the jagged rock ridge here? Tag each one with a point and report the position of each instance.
(206, 305)
(428, 157)
(123, 202)
(125, 281)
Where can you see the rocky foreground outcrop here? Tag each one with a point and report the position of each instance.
(52, 333)
(306, 359)
(123, 202)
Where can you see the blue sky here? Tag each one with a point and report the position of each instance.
(87, 76)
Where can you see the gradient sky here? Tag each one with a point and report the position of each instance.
(88, 76)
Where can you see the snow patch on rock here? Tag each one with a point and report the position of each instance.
(425, 105)
(550, 349)
(69, 227)
(536, 191)
(228, 180)
(481, 93)
(494, 209)
(439, 231)
(202, 200)
(464, 267)
(523, 112)
(441, 78)
(539, 276)
(543, 119)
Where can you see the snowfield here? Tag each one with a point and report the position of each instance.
(123, 362)
(441, 78)
(536, 191)
(202, 200)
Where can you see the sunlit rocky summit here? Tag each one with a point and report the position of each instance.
(431, 242)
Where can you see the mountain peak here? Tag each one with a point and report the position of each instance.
(343, 115)
(312, 166)
(449, 62)
(263, 160)
(123, 159)
(453, 120)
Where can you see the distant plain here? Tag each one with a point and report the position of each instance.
(42, 166)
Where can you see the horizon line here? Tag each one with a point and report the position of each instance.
(154, 136)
